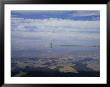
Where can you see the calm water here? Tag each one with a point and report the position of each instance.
(57, 44)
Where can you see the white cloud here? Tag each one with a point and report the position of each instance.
(20, 24)
(26, 36)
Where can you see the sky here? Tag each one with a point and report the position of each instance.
(31, 30)
(75, 15)
(35, 20)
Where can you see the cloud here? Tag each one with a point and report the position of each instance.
(36, 34)
(50, 24)
(86, 13)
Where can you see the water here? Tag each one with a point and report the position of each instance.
(55, 44)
